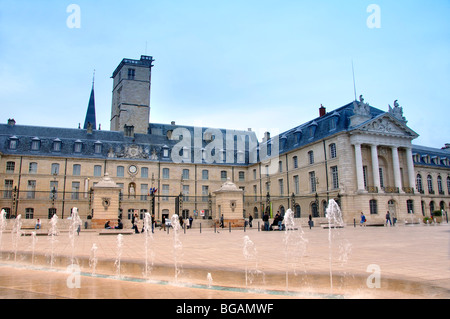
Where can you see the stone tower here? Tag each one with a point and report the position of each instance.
(130, 111)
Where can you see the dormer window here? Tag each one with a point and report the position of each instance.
(78, 146)
(165, 151)
(13, 142)
(35, 144)
(57, 145)
(98, 147)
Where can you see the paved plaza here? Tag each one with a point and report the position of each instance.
(352, 262)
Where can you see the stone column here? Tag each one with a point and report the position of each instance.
(410, 165)
(376, 168)
(397, 174)
(359, 168)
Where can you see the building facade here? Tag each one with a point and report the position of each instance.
(361, 156)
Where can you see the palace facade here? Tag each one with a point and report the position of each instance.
(359, 155)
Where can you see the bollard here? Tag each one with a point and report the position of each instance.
(229, 226)
(184, 226)
(354, 222)
(200, 228)
(215, 228)
(259, 227)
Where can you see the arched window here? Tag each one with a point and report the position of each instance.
(419, 183)
(430, 184)
(440, 188)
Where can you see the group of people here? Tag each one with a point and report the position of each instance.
(363, 220)
(277, 221)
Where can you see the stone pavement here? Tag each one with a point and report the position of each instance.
(370, 262)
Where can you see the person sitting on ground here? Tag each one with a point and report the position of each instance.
(119, 224)
(107, 225)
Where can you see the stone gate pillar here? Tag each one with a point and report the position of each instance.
(230, 204)
(105, 203)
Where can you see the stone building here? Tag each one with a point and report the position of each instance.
(359, 155)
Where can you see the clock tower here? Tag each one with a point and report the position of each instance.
(130, 110)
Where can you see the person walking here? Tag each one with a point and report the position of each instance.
(221, 222)
(388, 218)
(250, 221)
(363, 220)
(310, 222)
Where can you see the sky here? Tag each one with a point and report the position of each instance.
(261, 64)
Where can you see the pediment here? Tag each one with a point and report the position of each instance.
(387, 125)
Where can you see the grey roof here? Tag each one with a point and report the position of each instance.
(151, 146)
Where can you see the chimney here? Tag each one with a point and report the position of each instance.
(322, 111)
(173, 123)
(11, 122)
(266, 136)
(446, 147)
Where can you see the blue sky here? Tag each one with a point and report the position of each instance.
(272, 62)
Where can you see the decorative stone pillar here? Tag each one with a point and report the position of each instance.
(359, 169)
(397, 173)
(410, 166)
(230, 204)
(105, 203)
(376, 168)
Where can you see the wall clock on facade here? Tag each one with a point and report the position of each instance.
(132, 169)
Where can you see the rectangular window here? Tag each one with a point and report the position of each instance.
(166, 173)
(280, 167)
(223, 176)
(185, 193)
(255, 192)
(373, 207)
(54, 190)
(75, 190)
(205, 175)
(55, 169)
(254, 174)
(312, 181)
(98, 148)
(131, 74)
(33, 168)
(78, 147)
(120, 171)
(365, 176)
(144, 172)
(97, 170)
(311, 157)
(242, 176)
(35, 145)
(295, 159)
(10, 167)
(205, 193)
(185, 174)
(8, 188)
(335, 177)
(31, 187)
(296, 185)
(76, 170)
(381, 177)
(29, 213)
(165, 191)
(144, 191)
(281, 185)
(57, 146)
